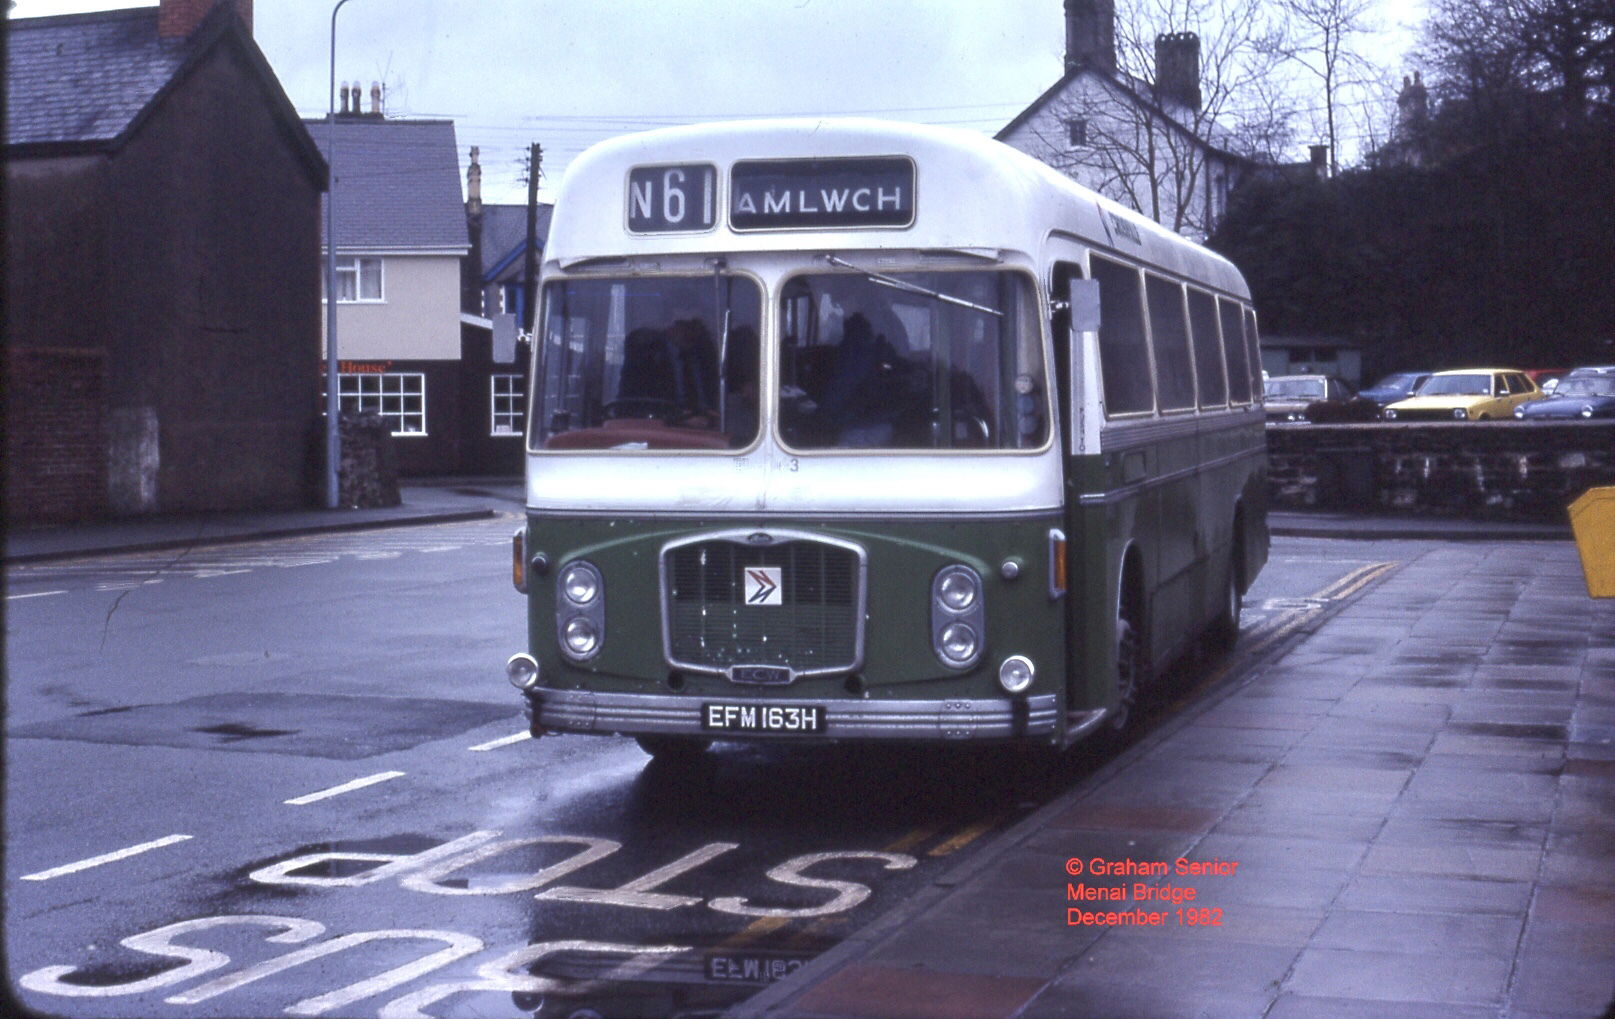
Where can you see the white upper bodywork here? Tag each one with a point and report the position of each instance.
(978, 204)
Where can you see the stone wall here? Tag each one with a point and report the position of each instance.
(1517, 469)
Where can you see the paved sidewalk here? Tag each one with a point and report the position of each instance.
(1410, 813)
(424, 502)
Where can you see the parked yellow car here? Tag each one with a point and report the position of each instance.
(1472, 394)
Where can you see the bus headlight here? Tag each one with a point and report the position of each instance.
(958, 617)
(581, 637)
(959, 643)
(580, 610)
(1460, 414)
(1016, 674)
(1519, 411)
(1390, 415)
(522, 671)
(580, 583)
(958, 588)
(1587, 410)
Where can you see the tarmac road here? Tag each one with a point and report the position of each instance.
(288, 776)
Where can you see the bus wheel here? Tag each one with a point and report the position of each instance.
(1225, 628)
(1129, 666)
(673, 748)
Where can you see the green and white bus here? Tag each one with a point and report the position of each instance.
(851, 430)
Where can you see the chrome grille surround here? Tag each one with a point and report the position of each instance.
(839, 610)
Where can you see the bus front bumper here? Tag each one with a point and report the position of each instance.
(582, 711)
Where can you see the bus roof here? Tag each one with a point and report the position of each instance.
(970, 192)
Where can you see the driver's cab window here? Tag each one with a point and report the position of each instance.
(649, 363)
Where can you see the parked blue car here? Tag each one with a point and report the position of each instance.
(1584, 396)
(1394, 387)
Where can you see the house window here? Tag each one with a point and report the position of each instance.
(400, 397)
(1076, 132)
(358, 279)
(509, 404)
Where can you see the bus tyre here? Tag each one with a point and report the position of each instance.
(673, 748)
(1225, 628)
(1129, 668)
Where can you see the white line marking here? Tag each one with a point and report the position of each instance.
(96, 861)
(36, 594)
(503, 741)
(346, 787)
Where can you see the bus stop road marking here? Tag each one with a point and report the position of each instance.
(346, 787)
(968, 835)
(96, 861)
(1278, 626)
(503, 741)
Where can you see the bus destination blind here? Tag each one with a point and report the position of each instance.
(784, 194)
(671, 199)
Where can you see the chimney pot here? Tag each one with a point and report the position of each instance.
(375, 98)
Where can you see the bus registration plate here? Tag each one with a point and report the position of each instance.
(785, 719)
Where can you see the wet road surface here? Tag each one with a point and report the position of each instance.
(288, 777)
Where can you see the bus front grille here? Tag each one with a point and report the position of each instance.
(715, 619)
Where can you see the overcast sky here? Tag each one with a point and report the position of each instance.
(567, 73)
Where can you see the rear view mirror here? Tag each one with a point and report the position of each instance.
(1084, 306)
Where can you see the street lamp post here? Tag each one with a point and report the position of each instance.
(333, 435)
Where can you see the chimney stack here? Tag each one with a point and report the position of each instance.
(1090, 35)
(177, 19)
(1320, 160)
(1177, 69)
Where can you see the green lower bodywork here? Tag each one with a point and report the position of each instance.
(1171, 512)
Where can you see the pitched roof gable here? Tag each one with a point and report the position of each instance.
(397, 184)
(85, 77)
(1132, 89)
(504, 236)
(87, 82)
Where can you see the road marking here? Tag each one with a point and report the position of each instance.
(96, 861)
(758, 928)
(970, 834)
(36, 594)
(1282, 624)
(913, 838)
(503, 741)
(346, 787)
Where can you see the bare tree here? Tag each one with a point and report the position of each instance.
(1171, 155)
(1320, 41)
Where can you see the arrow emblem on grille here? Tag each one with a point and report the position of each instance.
(763, 586)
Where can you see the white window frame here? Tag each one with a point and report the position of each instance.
(372, 391)
(515, 391)
(353, 267)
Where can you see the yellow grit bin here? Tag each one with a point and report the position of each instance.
(1592, 518)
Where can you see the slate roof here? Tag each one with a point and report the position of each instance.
(504, 234)
(87, 82)
(84, 77)
(397, 185)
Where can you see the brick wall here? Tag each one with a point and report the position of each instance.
(55, 435)
(1493, 469)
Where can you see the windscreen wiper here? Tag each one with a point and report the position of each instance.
(912, 288)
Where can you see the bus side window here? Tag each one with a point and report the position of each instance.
(1124, 356)
(1208, 363)
(1233, 341)
(1169, 332)
(1255, 353)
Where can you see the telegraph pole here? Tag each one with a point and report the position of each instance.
(535, 159)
